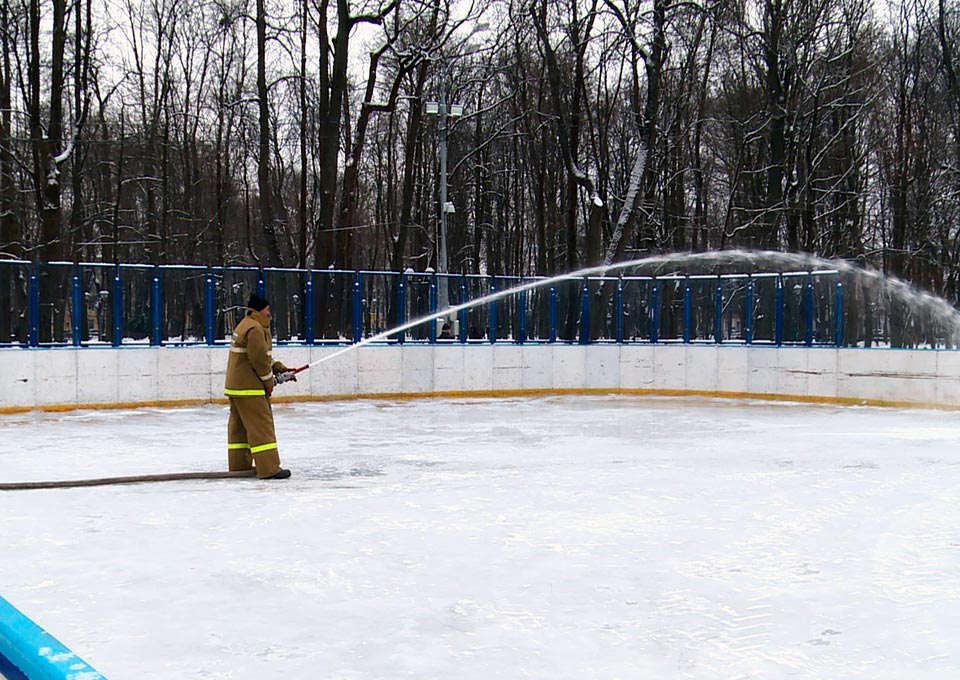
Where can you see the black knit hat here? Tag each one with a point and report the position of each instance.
(256, 302)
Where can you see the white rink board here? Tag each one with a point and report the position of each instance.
(51, 378)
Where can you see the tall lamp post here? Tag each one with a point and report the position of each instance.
(444, 112)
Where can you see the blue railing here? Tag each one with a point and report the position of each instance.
(80, 305)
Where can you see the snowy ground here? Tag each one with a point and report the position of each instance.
(544, 538)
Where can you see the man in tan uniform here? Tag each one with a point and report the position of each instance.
(251, 439)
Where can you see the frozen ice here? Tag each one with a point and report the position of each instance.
(558, 537)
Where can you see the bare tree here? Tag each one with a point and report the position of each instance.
(11, 237)
(652, 53)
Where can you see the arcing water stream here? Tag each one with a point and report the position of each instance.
(916, 300)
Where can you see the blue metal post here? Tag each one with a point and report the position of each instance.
(838, 334)
(209, 313)
(117, 308)
(309, 309)
(809, 320)
(778, 320)
(402, 306)
(585, 312)
(718, 313)
(35, 305)
(522, 330)
(156, 309)
(655, 312)
(493, 312)
(619, 304)
(553, 314)
(687, 309)
(261, 284)
(76, 316)
(749, 312)
(432, 327)
(462, 314)
(357, 308)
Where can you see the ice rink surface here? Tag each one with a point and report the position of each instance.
(574, 537)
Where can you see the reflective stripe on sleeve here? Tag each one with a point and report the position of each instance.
(245, 393)
(232, 446)
(238, 350)
(266, 377)
(263, 447)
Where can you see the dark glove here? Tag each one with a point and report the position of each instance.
(284, 376)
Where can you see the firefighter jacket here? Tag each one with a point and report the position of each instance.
(250, 367)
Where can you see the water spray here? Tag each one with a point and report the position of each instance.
(600, 270)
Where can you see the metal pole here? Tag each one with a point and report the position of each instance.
(553, 314)
(432, 326)
(357, 308)
(117, 308)
(35, 305)
(585, 312)
(155, 308)
(493, 311)
(838, 315)
(401, 306)
(718, 313)
(209, 314)
(655, 312)
(463, 312)
(76, 317)
(522, 330)
(444, 301)
(308, 309)
(620, 310)
(778, 323)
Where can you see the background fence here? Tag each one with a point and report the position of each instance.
(90, 304)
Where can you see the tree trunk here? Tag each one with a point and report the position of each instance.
(333, 88)
(302, 213)
(274, 257)
(637, 186)
(46, 159)
(11, 239)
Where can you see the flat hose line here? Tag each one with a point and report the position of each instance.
(135, 479)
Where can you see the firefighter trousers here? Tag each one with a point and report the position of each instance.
(251, 438)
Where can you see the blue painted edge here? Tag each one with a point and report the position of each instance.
(35, 653)
(9, 671)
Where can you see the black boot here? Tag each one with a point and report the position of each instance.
(283, 474)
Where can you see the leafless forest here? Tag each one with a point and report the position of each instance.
(296, 133)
